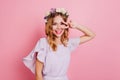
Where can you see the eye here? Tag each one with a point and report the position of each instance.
(62, 23)
(54, 23)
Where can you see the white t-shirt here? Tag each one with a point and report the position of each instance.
(55, 62)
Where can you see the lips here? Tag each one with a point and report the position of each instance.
(58, 31)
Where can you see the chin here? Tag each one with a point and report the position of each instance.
(58, 35)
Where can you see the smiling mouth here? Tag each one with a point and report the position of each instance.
(58, 31)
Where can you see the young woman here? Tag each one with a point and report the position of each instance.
(49, 60)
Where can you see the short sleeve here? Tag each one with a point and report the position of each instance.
(73, 43)
(30, 59)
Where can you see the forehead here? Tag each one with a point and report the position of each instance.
(58, 19)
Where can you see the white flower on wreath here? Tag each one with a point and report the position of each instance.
(63, 10)
(58, 10)
(47, 14)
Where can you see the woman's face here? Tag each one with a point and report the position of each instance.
(58, 26)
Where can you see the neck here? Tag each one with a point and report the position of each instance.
(58, 40)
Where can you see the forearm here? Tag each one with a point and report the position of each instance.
(85, 30)
(38, 77)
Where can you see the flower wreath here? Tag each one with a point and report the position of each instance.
(55, 10)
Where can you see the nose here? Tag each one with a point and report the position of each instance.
(58, 26)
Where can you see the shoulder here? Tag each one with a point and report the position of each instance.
(73, 43)
(74, 40)
(42, 40)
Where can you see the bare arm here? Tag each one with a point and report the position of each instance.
(88, 34)
(38, 70)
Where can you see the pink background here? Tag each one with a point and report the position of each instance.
(22, 24)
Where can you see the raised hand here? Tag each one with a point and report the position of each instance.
(72, 24)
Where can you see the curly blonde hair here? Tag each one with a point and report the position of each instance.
(51, 37)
